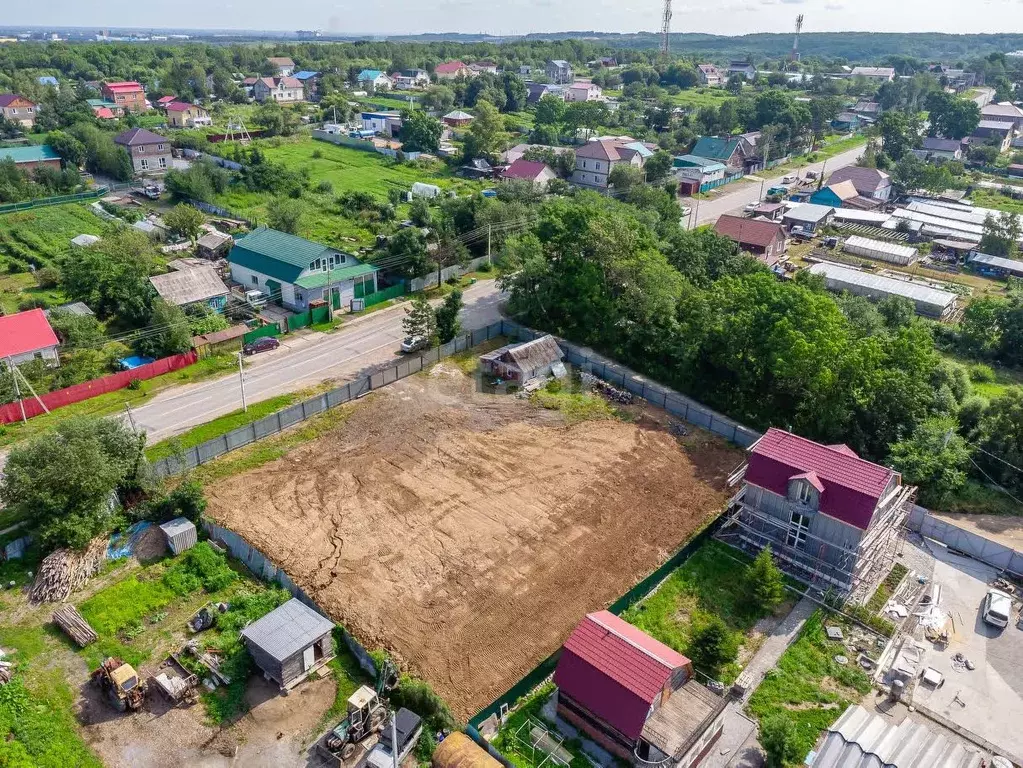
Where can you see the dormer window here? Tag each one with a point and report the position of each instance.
(803, 492)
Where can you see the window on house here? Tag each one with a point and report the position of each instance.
(799, 529)
(803, 492)
(255, 280)
(144, 164)
(159, 147)
(584, 163)
(163, 162)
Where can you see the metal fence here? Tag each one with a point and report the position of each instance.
(455, 270)
(976, 546)
(676, 404)
(42, 202)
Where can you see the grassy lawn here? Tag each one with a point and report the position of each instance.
(218, 427)
(695, 98)
(574, 406)
(808, 687)
(991, 198)
(708, 583)
(112, 402)
(520, 754)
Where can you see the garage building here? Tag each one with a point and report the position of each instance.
(290, 642)
(930, 302)
(903, 255)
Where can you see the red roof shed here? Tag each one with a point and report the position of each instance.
(850, 487)
(615, 671)
(25, 333)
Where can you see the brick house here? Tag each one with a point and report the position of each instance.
(180, 114)
(150, 152)
(634, 696)
(595, 160)
(283, 90)
(18, 110)
(29, 158)
(451, 70)
(127, 94)
(763, 239)
(830, 517)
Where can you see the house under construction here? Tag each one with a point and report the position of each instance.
(832, 519)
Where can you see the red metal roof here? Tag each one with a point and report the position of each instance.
(124, 85)
(166, 99)
(524, 169)
(180, 106)
(25, 332)
(6, 99)
(749, 231)
(852, 486)
(448, 67)
(615, 671)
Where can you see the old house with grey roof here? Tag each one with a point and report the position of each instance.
(290, 643)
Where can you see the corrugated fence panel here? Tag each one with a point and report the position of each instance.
(359, 387)
(290, 415)
(266, 426)
(972, 544)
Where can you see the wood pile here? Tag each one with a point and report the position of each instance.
(6, 670)
(65, 570)
(71, 621)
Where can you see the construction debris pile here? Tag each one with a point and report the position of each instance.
(71, 621)
(64, 570)
(604, 389)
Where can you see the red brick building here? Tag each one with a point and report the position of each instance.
(634, 696)
(126, 94)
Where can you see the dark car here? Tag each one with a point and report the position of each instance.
(264, 344)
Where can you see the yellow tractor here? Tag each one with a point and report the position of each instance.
(120, 682)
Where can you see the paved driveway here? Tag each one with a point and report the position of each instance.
(989, 700)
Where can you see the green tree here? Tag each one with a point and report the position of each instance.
(285, 215)
(184, 221)
(275, 119)
(420, 319)
(420, 132)
(550, 111)
(446, 316)
(63, 482)
(951, 116)
(77, 331)
(712, 645)
(1001, 440)
(112, 276)
(1001, 235)
(419, 212)
(407, 253)
(623, 177)
(935, 458)
(780, 740)
(657, 167)
(168, 332)
(486, 133)
(70, 149)
(765, 584)
(899, 132)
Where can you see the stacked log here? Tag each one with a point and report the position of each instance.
(64, 570)
(6, 670)
(71, 621)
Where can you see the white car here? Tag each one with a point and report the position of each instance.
(750, 207)
(414, 344)
(790, 179)
(997, 607)
(256, 299)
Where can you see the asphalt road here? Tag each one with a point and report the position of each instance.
(301, 361)
(708, 211)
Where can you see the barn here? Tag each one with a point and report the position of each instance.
(522, 362)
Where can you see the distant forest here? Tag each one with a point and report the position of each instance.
(856, 47)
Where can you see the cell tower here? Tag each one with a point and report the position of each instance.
(665, 27)
(794, 56)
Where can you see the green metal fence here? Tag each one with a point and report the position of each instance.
(270, 329)
(319, 315)
(42, 202)
(388, 293)
(298, 321)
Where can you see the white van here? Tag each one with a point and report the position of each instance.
(997, 607)
(256, 299)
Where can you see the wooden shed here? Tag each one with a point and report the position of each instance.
(290, 642)
(459, 751)
(522, 362)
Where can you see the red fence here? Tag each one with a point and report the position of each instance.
(58, 399)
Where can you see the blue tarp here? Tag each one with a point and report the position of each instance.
(135, 361)
(123, 544)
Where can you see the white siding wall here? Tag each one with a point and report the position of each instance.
(49, 355)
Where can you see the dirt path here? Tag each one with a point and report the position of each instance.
(468, 533)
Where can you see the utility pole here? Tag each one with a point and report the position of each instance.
(696, 215)
(241, 382)
(489, 262)
(17, 389)
(131, 417)
(665, 27)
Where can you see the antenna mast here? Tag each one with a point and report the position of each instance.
(666, 27)
(795, 43)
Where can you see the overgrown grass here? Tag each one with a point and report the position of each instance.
(127, 602)
(808, 687)
(113, 402)
(993, 198)
(574, 406)
(520, 754)
(217, 427)
(348, 676)
(975, 498)
(711, 582)
(887, 587)
(270, 449)
(468, 361)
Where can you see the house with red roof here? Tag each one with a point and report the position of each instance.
(127, 94)
(163, 101)
(763, 239)
(530, 170)
(634, 696)
(830, 517)
(27, 336)
(283, 90)
(451, 70)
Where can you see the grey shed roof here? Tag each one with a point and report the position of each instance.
(530, 355)
(842, 276)
(213, 240)
(177, 526)
(809, 212)
(1009, 265)
(863, 740)
(287, 630)
(189, 285)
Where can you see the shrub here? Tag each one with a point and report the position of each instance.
(135, 384)
(419, 697)
(317, 154)
(982, 373)
(778, 738)
(47, 277)
(325, 187)
(712, 646)
(200, 567)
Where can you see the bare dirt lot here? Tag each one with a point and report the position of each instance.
(468, 533)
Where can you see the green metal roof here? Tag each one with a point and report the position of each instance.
(33, 154)
(714, 148)
(284, 257)
(100, 103)
(319, 279)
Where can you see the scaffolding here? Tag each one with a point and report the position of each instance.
(818, 562)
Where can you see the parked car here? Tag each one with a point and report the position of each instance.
(776, 191)
(811, 175)
(414, 344)
(264, 344)
(830, 242)
(997, 607)
(790, 179)
(750, 207)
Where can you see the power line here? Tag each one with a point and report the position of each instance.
(993, 481)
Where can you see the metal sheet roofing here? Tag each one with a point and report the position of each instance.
(189, 286)
(917, 292)
(319, 279)
(809, 212)
(1009, 265)
(25, 332)
(277, 254)
(863, 740)
(34, 154)
(852, 486)
(615, 671)
(287, 630)
(865, 243)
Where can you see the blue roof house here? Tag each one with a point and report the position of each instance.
(375, 78)
(48, 80)
(293, 271)
(310, 83)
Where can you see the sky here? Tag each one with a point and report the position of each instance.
(507, 17)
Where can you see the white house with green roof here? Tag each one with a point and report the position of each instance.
(293, 271)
